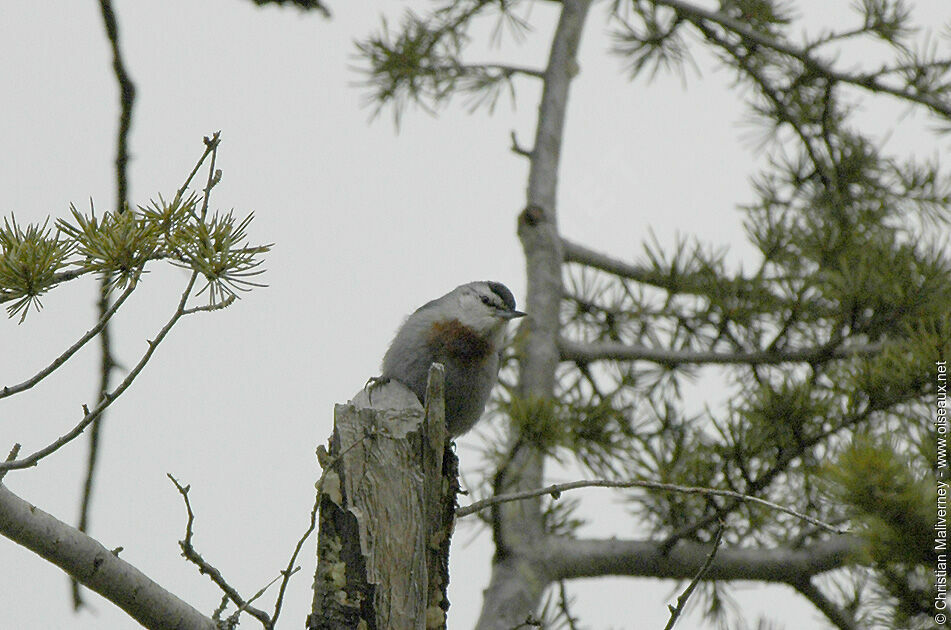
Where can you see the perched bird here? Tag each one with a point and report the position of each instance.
(463, 330)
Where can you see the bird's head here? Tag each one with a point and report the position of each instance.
(484, 306)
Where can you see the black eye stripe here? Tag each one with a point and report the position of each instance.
(504, 295)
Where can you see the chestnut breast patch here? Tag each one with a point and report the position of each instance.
(457, 341)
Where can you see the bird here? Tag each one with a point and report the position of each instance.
(464, 331)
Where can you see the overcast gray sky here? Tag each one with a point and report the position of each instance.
(367, 224)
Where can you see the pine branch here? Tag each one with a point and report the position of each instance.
(568, 558)
(834, 613)
(601, 351)
(869, 81)
(555, 491)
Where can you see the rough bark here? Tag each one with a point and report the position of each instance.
(518, 581)
(386, 513)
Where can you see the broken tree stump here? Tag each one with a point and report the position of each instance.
(387, 510)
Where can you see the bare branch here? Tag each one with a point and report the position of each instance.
(96, 567)
(326, 464)
(291, 569)
(207, 308)
(10, 457)
(555, 491)
(685, 596)
(563, 607)
(107, 362)
(204, 567)
(568, 558)
(462, 69)
(108, 398)
(599, 351)
(504, 606)
(518, 149)
(211, 144)
(214, 176)
(73, 349)
(126, 100)
(577, 253)
(508, 70)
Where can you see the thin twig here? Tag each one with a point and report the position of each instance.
(126, 101)
(73, 349)
(101, 569)
(10, 457)
(782, 109)
(291, 569)
(518, 149)
(211, 144)
(563, 606)
(106, 364)
(327, 463)
(207, 308)
(188, 550)
(682, 600)
(767, 477)
(213, 176)
(555, 491)
(220, 609)
(867, 81)
(107, 399)
(504, 69)
(263, 590)
(107, 361)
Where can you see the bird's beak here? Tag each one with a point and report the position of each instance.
(512, 314)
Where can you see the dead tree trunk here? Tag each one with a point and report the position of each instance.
(386, 513)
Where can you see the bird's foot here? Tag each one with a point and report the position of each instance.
(373, 382)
